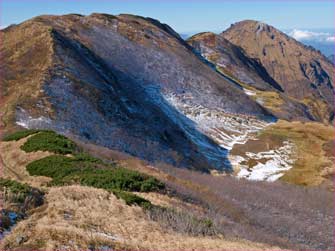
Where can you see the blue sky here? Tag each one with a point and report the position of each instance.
(186, 16)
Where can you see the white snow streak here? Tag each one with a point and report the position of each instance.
(278, 161)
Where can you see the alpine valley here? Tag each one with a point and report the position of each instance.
(118, 134)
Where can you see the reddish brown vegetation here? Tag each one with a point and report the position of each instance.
(275, 213)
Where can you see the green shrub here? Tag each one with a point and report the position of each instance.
(19, 135)
(90, 172)
(151, 184)
(17, 190)
(55, 166)
(119, 178)
(14, 186)
(49, 141)
(82, 168)
(87, 158)
(133, 199)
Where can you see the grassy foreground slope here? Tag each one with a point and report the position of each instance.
(89, 203)
(277, 213)
(81, 168)
(194, 211)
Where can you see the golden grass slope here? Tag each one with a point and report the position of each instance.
(15, 161)
(27, 52)
(77, 217)
(313, 150)
(314, 163)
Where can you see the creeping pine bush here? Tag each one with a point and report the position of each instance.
(133, 199)
(19, 135)
(14, 186)
(49, 141)
(86, 171)
(82, 168)
(14, 191)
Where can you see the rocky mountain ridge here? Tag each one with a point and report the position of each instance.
(125, 82)
(106, 78)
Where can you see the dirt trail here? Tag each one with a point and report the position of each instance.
(14, 161)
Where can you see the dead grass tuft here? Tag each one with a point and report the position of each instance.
(77, 217)
(15, 161)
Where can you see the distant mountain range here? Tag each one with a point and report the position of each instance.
(320, 39)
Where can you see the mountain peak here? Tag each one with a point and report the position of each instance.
(254, 26)
(304, 74)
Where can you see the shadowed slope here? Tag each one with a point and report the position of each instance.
(107, 80)
(233, 62)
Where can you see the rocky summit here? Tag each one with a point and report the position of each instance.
(305, 75)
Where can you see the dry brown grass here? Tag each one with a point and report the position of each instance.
(269, 99)
(313, 166)
(250, 210)
(167, 201)
(319, 108)
(15, 161)
(289, 216)
(27, 54)
(78, 217)
(313, 150)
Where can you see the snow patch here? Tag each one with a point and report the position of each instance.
(224, 128)
(249, 92)
(30, 122)
(260, 27)
(278, 161)
(25, 120)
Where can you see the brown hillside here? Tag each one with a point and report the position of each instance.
(302, 72)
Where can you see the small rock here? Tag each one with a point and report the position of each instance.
(20, 239)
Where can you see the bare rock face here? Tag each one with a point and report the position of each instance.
(302, 72)
(108, 79)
